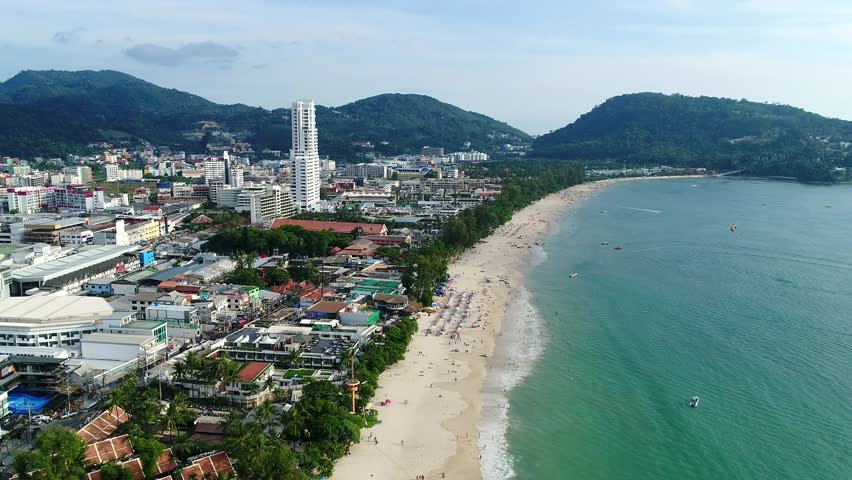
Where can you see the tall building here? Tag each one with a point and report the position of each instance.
(84, 173)
(214, 169)
(305, 154)
(266, 203)
(432, 151)
(235, 175)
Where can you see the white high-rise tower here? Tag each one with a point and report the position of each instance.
(305, 154)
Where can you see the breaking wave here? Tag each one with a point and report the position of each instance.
(515, 355)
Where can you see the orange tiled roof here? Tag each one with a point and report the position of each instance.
(336, 227)
(215, 464)
(250, 372)
(103, 425)
(108, 450)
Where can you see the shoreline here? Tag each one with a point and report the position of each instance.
(432, 426)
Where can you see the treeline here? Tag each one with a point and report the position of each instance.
(290, 239)
(523, 183)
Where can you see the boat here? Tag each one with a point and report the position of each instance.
(573, 275)
(619, 247)
(693, 402)
(603, 211)
(604, 243)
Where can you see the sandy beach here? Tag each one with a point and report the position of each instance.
(430, 427)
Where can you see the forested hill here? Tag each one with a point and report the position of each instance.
(763, 139)
(52, 112)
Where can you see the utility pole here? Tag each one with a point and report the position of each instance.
(29, 421)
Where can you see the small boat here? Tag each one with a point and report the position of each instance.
(603, 211)
(604, 243)
(573, 275)
(619, 247)
(693, 402)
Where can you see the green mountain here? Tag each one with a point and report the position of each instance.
(53, 112)
(720, 133)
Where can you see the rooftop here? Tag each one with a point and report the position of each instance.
(252, 370)
(108, 450)
(117, 338)
(326, 306)
(336, 227)
(103, 425)
(52, 309)
(71, 263)
(210, 466)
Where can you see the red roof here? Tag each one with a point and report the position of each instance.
(250, 372)
(201, 219)
(108, 450)
(336, 227)
(214, 465)
(103, 425)
(165, 464)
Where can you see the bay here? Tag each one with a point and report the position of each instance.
(756, 321)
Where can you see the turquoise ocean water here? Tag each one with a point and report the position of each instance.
(757, 322)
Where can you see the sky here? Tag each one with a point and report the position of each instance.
(535, 64)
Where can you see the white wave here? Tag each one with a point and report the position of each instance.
(537, 255)
(516, 353)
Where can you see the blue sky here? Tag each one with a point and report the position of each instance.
(536, 64)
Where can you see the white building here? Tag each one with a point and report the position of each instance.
(214, 169)
(473, 156)
(305, 154)
(328, 166)
(49, 321)
(84, 174)
(366, 170)
(273, 201)
(79, 236)
(235, 175)
(28, 200)
(115, 174)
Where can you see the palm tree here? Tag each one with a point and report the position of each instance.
(192, 363)
(209, 374)
(176, 414)
(264, 415)
(179, 369)
(348, 359)
(227, 371)
(240, 435)
(269, 383)
(295, 358)
(292, 423)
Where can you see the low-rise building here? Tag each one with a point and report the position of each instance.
(49, 321)
(70, 273)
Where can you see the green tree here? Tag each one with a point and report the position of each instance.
(149, 451)
(277, 276)
(114, 471)
(58, 454)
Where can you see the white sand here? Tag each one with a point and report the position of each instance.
(435, 433)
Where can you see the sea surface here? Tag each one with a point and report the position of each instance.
(756, 321)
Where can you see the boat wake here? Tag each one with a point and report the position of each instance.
(643, 209)
(516, 353)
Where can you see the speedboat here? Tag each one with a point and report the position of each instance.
(619, 247)
(604, 243)
(573, 275)
(693, 402)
